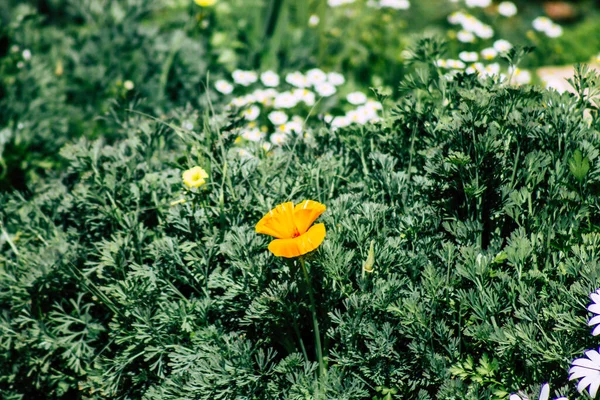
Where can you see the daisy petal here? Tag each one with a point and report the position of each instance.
(594, 320)
(545, 392)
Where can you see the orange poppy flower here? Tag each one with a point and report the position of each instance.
(291, 226)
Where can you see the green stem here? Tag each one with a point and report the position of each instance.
(313, 309)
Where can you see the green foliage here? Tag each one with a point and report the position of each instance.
(468, 202)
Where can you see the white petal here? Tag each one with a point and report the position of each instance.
(577, 373)
(595, 308)
(594, 386)
(585, 382)
(594, 356)
(595, 297)
(594, 320)
(545, 392)
(596, 331)
(584, 362)
(514, 397)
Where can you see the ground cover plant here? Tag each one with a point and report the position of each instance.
(459, 252)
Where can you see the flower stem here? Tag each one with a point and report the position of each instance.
(313, 309)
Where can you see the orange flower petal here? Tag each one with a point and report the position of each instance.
(300, 245)
(279, 222)
(306, 213)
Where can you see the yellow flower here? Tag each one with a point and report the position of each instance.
(194, 177)
(205, 3)
(291, 226)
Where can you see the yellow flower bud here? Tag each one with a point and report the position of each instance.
(194, 177)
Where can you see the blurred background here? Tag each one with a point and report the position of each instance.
(64, 64)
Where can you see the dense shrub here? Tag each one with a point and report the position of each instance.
(476, 201)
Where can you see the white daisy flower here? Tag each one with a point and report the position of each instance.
(457, 64)
(244, 78)
(340, 122)
(395, 4)
(336, 79)
(457, 18)
(468, 56)
(489, 54)
(316, 76)
(589, 370)
(285, 100)
(465, 36)
(478, 3)
(26, 54)
(356, 98)
(554, 31)
(314, 20)
(296, 79)
(484, 31)
(279, 138)
(502, 46)
(325, 89)
(519, 76)
(253, 134)
(542, 24)
(507, 9)
(373, 105)
(595, 309)
(278, 117)
(223, 86)
(238, 102)
(251, 113)
(269, 79)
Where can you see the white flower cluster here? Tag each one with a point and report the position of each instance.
(517, 76)
(546, 25)
(472, 28)
(276, 105)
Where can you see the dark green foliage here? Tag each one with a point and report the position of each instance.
(480, 200)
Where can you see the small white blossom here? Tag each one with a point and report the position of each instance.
(542, 24)
(314, 20)
(269, 79)
(502, 46)
(507, 9)
(244, 78)
(468, 56)
(588, 369)
(279, 138)
(554, 31)
(336, 79)
(395, 4)
(187, 125)
(325, 89)
(489, 53)
(297, 79)
(457, 18)
(223, 86)
(253, 134)
(478, 3)
(26, 54)
(128, 85)
(356, 98)
(251, 113)
(278, 117)
(316, 77)
(285, 100)
(465, 36)
(520, 76)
